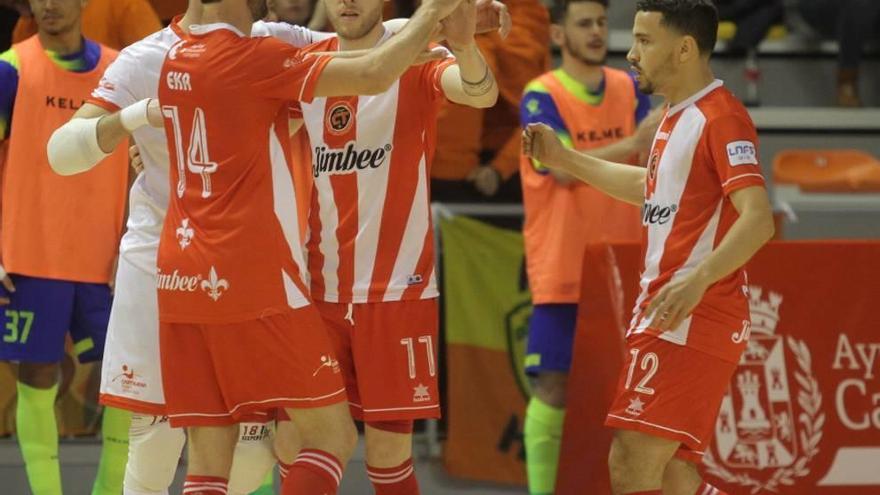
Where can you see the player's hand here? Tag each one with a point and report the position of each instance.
(430, 55)
(493, 15)
(459, 27)
(137, 162)
(154, 113)
(444, 7)
(7, 284)
(675, 301)
(541, 143)
(648, 129)
(486, 180)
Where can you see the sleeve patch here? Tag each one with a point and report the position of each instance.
(742, 153)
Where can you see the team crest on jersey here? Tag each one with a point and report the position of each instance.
(653, 163)
(759, 440)
(339, 118)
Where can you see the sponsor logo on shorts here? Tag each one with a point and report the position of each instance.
(636, 407)
(414, 279)
(742, 153)
(185, 234)
(129, 380)
(421, 394)
(327, 362)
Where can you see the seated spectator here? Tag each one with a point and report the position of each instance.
(851, 22)
(114, 23)
(478, 150)
(753, 19)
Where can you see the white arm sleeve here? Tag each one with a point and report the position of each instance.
(73, 147)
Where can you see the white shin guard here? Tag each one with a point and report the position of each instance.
(154, 450)
(254, 458)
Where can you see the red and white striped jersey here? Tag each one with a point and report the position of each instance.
(704, 150)
(370, 237)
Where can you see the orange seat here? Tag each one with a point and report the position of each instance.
(828, 170)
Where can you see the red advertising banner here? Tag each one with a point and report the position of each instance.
(802, 415)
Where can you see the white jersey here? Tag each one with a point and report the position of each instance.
(133, 76)
(131, 377)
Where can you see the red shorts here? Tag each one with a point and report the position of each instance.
(670, 391)
(230, 373)
(388, 355)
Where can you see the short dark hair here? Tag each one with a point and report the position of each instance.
(697, 18)
(560, 8)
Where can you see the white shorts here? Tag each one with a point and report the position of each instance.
(131, 377)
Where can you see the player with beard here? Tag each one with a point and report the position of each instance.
(597, 110)
(705, 214)
(59, 239)
(239, 334)
(132, 342)
(370, 240)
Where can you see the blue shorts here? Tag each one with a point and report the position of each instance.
(41, 312)
(551, 338)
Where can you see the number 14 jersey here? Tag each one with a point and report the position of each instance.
(230, 249)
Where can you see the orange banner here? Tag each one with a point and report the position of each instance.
(808, 420)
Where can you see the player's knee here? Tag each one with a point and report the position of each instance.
(154, 450)
(681, 477)
(39, 375)
(637, 460)
(388, 443)
(287, 441)
(330, 429)
(551, 388)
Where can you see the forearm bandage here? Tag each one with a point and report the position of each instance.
(134, 116)
(73, 147)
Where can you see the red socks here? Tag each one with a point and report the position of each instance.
(204, 485)
(704, 489)
(283, 470)
(400, 480)
(707, 489)
(313, 472)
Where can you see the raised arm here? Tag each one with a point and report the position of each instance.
(618, 180)
(375, 72)
(470, 80)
